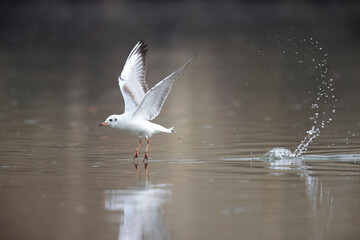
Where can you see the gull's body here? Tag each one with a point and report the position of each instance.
(138, 126)
(141, 105)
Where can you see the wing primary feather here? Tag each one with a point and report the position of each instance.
(132, 81)
(140, 47)
(154, 99)
(143, 50)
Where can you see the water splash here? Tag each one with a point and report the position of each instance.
(323, 105)
(311, 135)
(278, 154)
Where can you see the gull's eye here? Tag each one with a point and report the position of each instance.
(110, 120)
(115, 119)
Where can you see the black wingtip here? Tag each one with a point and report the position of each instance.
(187, 63)
(143, 46)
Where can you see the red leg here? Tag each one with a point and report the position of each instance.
(147, 146)
(137, 149)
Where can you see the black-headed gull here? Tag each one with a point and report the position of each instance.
(141, 104)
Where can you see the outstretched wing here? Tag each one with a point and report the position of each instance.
(154, 99)
(132, 79)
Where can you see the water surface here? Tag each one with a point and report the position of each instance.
(63, 177)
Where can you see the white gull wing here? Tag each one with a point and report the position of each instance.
(132, 79)
(154, 99)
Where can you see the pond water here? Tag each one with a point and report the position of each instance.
(249, 90)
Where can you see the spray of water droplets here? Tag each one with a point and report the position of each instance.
(323, 105)
(315, 62)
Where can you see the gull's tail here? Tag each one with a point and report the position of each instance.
(159, 128)
(169, 130)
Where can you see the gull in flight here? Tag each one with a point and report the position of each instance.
(141, 104)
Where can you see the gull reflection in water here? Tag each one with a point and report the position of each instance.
(140, 208)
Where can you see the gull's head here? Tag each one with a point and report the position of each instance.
(111, 121)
